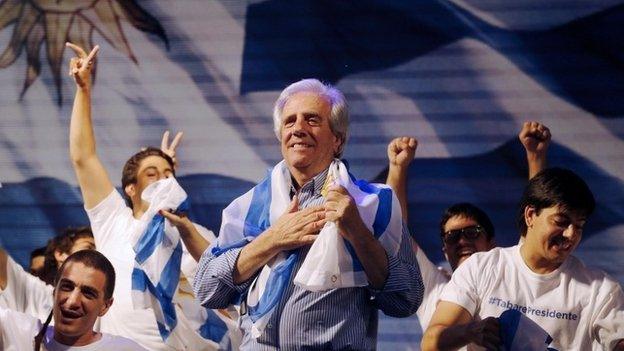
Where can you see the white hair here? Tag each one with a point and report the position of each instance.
(338, 119)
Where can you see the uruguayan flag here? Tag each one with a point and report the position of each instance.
(519, 333)
(254, 212)
(158, 251)
(331, 262)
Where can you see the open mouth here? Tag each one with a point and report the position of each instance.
(300, 146)
(560, 243)
(69, 314)
(465, 252)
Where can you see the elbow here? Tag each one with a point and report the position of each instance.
(430, 339)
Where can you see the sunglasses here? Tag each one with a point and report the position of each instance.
(469, 233)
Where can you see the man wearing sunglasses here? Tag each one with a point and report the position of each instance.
(552, 292)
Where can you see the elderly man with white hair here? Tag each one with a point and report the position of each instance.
(310, 252)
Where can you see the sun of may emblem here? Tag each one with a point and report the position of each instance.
(58, 21)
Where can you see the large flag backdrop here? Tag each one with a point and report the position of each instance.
(460, 75)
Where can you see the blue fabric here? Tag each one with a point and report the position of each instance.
(276, 284)
(257, 219)
(214, 329)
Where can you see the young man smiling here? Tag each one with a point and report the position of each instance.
(83, 292)
(579, 308)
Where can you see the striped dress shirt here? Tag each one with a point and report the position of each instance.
(337, 319)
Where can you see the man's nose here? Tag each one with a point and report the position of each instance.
(300, 125)
(570, 231)
(73, 299)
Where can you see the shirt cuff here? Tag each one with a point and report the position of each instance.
(223, 271)
(397, 280)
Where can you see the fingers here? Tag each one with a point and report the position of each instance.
(165, 140)
(535, 130)
(92, 54)
(176, 140)
(77, 49)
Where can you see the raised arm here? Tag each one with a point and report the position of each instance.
(535, 137)
(401, 152)
(93, 180)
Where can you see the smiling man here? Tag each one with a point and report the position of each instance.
(83, 292)
(576, 306)
(266, 235)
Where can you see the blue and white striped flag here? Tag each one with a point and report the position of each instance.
(520, 333)
(254, 212)
(158, 251)
(331, 262)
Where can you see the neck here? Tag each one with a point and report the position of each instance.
(82, 340)
(535, 262)
(139, 207)
(304, 175)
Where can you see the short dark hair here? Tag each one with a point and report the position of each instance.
(131, 168)
(556, 187)
(40, 251)
(63, 243)
(468, 210)
(95, 260)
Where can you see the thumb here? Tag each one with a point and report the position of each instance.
(294, 205)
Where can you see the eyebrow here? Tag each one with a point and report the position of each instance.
(85, 288)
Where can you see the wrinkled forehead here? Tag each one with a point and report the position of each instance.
(459, 221)
(306, 101)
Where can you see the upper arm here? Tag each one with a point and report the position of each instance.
(93, 180)
(448, 314)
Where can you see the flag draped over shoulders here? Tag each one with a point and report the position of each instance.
(254, 212)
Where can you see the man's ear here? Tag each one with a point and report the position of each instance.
(107, 304)
(130, 190)
(338, 144)
(529, 216)
(60, 257)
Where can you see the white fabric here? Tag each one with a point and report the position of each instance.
(328, 264)
(111, 222)
(576, 305)
(26, 293)
(18, 331)
(163, 194)
(434, 281)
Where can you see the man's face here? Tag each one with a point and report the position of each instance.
(151, 169)
(552, 234)
(458, 245)
(308, 144)
(78, 301)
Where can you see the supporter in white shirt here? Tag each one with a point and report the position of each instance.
(83, 292)
(464, 228)
(23, 292)
(111, 218)
(578, 307)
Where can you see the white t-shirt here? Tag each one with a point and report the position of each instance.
(18, 331)
(110, 222)
(26, 293)
(434, 281)
(575, 305)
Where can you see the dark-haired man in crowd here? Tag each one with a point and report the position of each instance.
(573, 307)
(464, 228)
(83, 291)
(23, 292)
